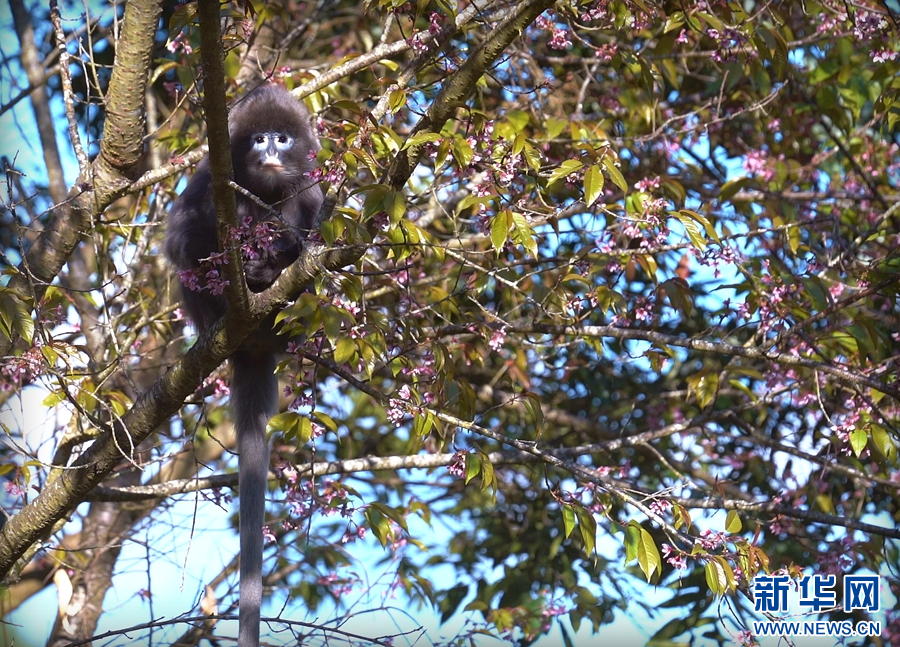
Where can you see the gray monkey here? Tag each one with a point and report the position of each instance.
(272, 152)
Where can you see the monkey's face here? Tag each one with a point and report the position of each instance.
(269, 154)
(271, 148)
(271, 160)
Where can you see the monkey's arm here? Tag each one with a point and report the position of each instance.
(191, 237)
(297, 218)
(191, 234)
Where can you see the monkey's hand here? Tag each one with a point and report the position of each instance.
(260, 274)
(262, 270)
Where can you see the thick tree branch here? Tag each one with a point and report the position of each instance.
(216, 113)
(154, 407)
(110, 175)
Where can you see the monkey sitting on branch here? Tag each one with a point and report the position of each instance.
(273, 150)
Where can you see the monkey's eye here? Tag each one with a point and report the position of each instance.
(260, 139)
(282, 141)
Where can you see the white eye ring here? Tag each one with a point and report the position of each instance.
(282, 141)
(265, 141)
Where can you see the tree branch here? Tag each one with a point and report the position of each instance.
(459, 86)
(157, 405)
(846, 377)
(109, 176)
(216, 113)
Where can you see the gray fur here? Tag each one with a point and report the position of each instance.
(191, 238)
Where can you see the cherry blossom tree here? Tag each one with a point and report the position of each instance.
(604, 297)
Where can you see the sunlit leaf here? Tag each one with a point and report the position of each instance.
(593, 184)
(501, 224)
(858, 440)
(568, 516)
(565, 170)
(587, 529)
(615, 174)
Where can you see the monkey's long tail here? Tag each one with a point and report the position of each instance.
(254, 398)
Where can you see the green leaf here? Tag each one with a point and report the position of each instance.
(331, 322)
(884, 443)
(462, 151)
(294, 426)
(568, 516)
(717, 578)
(344, 351)
(532, 157)
(564, 170)
(423, 424)
(693, 231)
(587, 528)
(518, 144)
(632, 538)
(639, 544)
(700, 218)
(374, 202)
(378, 524)
(648, 263)
(50, 354)
(519, 119)
(524, 234)
(674, 21)
(473, 466)
(15, 315)
(825, 504)
(451, 601)
(744, 388)
(501, 224)
(325, 420)
(391, 513)
(395, 205)
(397, 99)
(487, 471)
(54, 398)
(467, 398)
(533, 405)
(421, 138)
(679, 293)
(119, 402)
(675, 189)
(593, 184)
(303, 430)
(793, 238)
(682, 517)
(703, 385)
(555, 127)
(614, 173)
(732, 187)
(733, 523)
(858, 440)
(649, 558)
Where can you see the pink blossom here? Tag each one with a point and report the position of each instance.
(560, 40)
